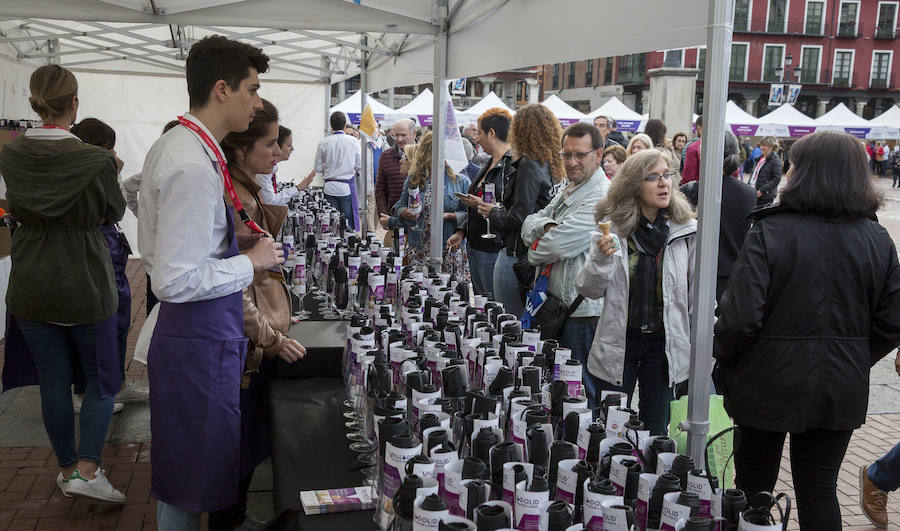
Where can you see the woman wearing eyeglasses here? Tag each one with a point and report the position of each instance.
(644, 269)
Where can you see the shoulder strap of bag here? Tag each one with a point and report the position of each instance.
(574, 306)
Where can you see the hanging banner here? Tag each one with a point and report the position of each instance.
(458, 87)
(793, 93)
(776, 95)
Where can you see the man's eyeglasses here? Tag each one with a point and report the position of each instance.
(578, 155)
(653, 177)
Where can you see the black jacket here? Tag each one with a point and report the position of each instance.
(812, 304)
(767, 180)
(738, 200)
(524, 192)
(618, 138)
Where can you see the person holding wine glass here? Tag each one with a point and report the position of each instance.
(483, 246)
(535, 137)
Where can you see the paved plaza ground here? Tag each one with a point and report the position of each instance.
(29, 498)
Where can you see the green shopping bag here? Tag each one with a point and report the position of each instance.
(721, 462)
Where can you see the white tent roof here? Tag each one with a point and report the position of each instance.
(785, 121)
(841, 117)
(734, 115)
(562, 110)
(616, 109)
(351, 105)
(887, 124)
(488, 102)
(423, 104)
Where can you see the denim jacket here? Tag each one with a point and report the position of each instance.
(451, 204)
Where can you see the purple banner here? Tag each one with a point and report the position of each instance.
(797, 132)
(744, 130)
(858, 132)
(425, 120)
(355, 117)
(566, 122)
(629, 125)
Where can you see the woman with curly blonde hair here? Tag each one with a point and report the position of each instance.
(418, 224)
(644, 269)
(638, 142)
(536, 138)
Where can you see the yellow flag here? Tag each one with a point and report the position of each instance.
(367, 123)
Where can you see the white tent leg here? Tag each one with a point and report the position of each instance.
(437, 146)
(363, 148)
(715, 94)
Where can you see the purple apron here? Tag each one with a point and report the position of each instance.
(354, 201)
(195, 362)
(256, 438)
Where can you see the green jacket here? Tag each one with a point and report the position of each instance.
(60, 192)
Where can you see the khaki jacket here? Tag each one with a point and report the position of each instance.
(267, 304)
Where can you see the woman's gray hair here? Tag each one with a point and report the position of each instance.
(770, 141)
(732, 158)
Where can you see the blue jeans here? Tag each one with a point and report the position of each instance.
(885, 473)
(54, 349)
(344, 205)
(481, 269)
(577, 335)
(174, 518)
(506, 286)
(645, 362)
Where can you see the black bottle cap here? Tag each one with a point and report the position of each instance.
(538, 484)
(474, 468)
(602, 486)
(492, 517)
(559, 516)
(433, 502)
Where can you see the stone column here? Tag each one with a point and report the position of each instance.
(645, 102)
(342, 92)
(534, 90)
(860, 106)
(750, 106)
(486, 84)
(390, 98)
(822, 106)
(672, 95)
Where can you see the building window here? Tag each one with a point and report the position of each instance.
(773, 59)
(701, 63)
(887, 20)
(777, 16)
(608, 70)
(737, 70)
(520, 91)
(848, 19)
(742, 15)
(631, 69)
(589, 72)
(572, 74)
(843, 68)
(809, 64)
(814, 17)
(881, 69)
(556, 75)
(674, 58)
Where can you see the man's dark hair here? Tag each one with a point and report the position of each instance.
(95, 132)
(169, 126)
(215, 57)
(581, 129)
(498, 122)
(338, 121)
(656, 130)
(830, 177)
(283, 134)
(699, 121)
(262, 120)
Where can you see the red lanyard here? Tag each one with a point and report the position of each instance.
(54, 127)
(226, 175)
(274, 186)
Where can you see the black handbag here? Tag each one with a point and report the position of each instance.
(553, 313)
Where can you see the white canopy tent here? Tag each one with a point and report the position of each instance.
(890, 121)
(351, 107)
(840, 118)
(627, 119)
(420, 108)
(488, 102)
(565, 113)
(785, 121)
(410, 42)
(741, 122)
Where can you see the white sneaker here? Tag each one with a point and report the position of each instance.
(98, 488)
(77, 400)
(63, 485)
(132, 393)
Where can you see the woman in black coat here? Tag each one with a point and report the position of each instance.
(767, 173)
(812, 303)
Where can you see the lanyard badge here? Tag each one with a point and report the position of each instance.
(226, 175)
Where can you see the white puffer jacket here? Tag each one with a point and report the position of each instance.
(607, 276)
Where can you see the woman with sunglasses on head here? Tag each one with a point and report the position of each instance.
(645, 270)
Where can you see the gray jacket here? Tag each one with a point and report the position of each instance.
(566, 246)
(608, 276)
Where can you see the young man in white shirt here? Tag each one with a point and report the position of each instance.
(188, 245)
(338, 158)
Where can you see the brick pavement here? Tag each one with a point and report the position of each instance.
(29, 499)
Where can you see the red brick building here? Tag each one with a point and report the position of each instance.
(839, 50)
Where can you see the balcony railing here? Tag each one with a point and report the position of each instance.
(847, 30)
(840, 82)
(878, 83)
(885, 33)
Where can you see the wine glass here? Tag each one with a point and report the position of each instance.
(489, 199)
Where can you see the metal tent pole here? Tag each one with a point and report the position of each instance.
(715, 94)
(437, 126)
(363, 148)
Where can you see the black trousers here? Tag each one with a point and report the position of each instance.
(228, 519)
(816, 457)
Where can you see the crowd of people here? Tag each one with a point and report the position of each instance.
(808, 285)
